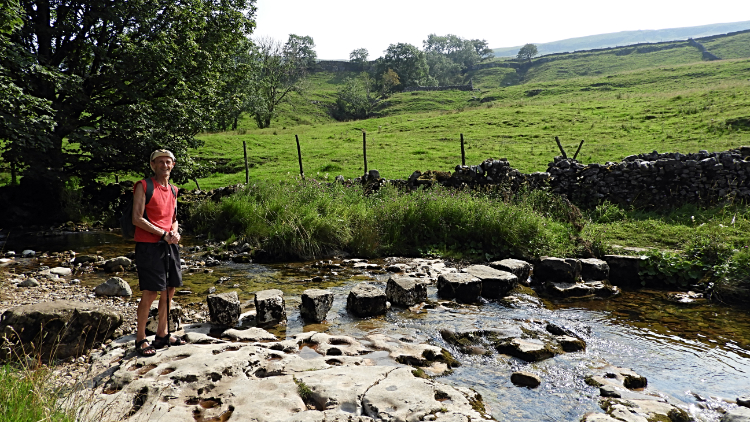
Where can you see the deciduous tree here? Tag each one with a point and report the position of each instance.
(121, 78)
(527, 52)
(408, 62)
(359, 56)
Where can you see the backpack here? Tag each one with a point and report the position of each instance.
(126, 220)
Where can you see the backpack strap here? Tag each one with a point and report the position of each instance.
(149, 194)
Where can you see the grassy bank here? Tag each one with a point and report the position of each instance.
(296, 219)
(307, 219)
(27, 396)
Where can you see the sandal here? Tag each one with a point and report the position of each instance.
(167, 340)
(147, 351)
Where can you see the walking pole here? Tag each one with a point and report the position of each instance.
(166, 291)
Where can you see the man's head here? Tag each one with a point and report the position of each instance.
(162, 160)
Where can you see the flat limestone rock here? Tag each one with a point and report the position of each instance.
(251, 334)
(593, 269)
(557, 270)
(740, 414)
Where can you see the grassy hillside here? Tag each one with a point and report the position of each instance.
(612, 61)
(628, 37)
(731, 47)
(704, 105)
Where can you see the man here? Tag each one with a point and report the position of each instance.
(156, 254)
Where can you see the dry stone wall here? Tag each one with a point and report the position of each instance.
(644, 180)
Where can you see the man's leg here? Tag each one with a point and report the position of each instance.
(161, 329)
(147, 297)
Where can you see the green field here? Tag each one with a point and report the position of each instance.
(686, 107)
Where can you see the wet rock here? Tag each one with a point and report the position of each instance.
(61, 271)
(328, 345)
(743, 401)
(598, 417)
(571, 344)
(623, 270)
(557, 270)
(114, 264)
(175, 317)
(609, 391)
(28, 253)
(114, 286)
(58, 329)
(86, 259)
(525, 379)
(520, 269)
(593, 269)
(405, 291)
(495, 283)
(530, 350)
(29, 282)
(685, 298)
(460, 286)
(654, 408)
(315, 304)
(740, 414)
(224, 308)
(580, 289)
(366, 300)
(270, 307)
(634, 381)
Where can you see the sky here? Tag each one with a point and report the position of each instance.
(340, 26)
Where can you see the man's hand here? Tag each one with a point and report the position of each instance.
(173, 238)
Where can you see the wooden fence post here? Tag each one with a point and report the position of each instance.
(247, 169)
(578, 150)
(364, 148)
(299, 155)
(559, 145)
(463, 154)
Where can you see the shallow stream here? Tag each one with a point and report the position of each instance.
(697, 356)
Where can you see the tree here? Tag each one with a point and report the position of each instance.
(354, 100)
(359, 56)
(408, 62)
(300, 49)
(277, 74)
(390, 80)
(120, 79)
(527, 52)
(234, 92)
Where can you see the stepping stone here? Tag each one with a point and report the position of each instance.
(593, 269)
(623, 270)
(315, 304)
(520, 269)
(558, 270)
(495, 283)
(405, 291)
(366, 300)
(224, 308)
(269, 305)
(460, 286)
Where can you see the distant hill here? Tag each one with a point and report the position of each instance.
(628, 37)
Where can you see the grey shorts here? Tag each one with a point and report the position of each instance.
(153, 264)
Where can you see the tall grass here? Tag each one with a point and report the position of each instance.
(27, 395)
(306, 219)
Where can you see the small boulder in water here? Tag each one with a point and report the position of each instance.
(366, 300)
(315, 304)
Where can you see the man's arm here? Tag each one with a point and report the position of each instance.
(139, 205)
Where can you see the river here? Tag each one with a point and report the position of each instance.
(695, 355)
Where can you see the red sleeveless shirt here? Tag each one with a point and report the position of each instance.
(159, 210)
